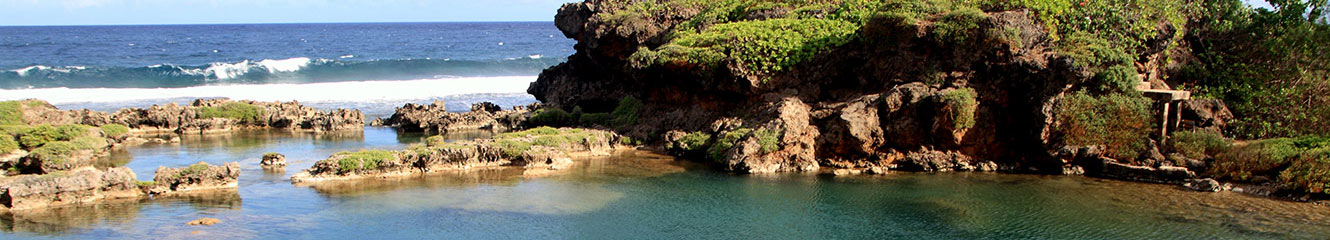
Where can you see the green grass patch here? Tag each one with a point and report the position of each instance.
(363, 160)
(7, 144)
(192, 170)
(37, 136)
(962, 104)
(11, 113)
(695, 141)
(115, 130)
(512, 148)
(959, 25)
(88, 143)
(551, 117)
(1297, 164)
(1121, 123)
(145, 183)
(768, 139)
(538, 131)
(762, 46)
(238, 111)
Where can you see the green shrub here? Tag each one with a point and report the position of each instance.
(238, 111)
(592, 119)
(727, 141)
(1092, 52)
(39, 135)
(15, 130)
(1256, 158)
(762, 46)
(7, 144)
(434, 141)
(695, 141)
(626, 112)
(512, 148)
(11, 113)
(88, 143)
(962, 104)
(1199, 144)
(1119, 78)
(145, 183)
(363, 160)
(1309, 172)
(114, 130)
(768, 139)
(53, 152)
(959, 25)
(192, 170)
(538, 131)
(551, 117)
(1121, 123)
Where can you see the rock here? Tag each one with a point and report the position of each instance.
(204, 222)
(185, 119)
(1164, 174)
(986, 166)
(84, 185)
(1206, 114)
(435, 118)
(791, 135)
(846, 172)
(198, 177)
(273, 160)
(1204, 185)
(937, 161)
(554, 152)
(877, 170)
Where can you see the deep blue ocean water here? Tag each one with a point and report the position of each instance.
(107, 67)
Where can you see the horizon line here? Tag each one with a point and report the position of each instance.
(258, 23)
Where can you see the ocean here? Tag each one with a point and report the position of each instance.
(357, 65)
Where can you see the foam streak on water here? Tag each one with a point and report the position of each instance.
(362, 91)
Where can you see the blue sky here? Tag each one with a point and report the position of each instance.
(117, 12)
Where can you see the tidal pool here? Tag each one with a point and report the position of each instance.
(637, 194)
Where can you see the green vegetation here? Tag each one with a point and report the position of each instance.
(363, 160)
(1271, 66)
(192, 170)
(7, 144)
(959, 25)
(88, 143)
(1199, 144)
(1297, 164)
(1121, 123)
(768, 139)
(11, 113)
(238, 111)
(53, 152)
(37, 136)
(961, 103)
(626, 112)
(551, 117)
(512, 148)
(695, 141)
(727, 141)
(145, 183)
(115, 130)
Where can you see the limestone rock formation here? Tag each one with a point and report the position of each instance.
(83, 185)
(435, 118)
(198, 177)
(203, 116)
(273, 160)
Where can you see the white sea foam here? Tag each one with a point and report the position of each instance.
(347, 56)
(24, 72)
(228, 70)
(285, 65)
(535, 56)
(366, 91)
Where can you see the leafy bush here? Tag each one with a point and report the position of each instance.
(551, 117)
(88, 143)
(695, 141)
(592, 119)
(727, 141)
(53, 152)
(363, 160)
(1121, 123)
(512, 148)
(762, 46)
(1309, 172)
(626, 112)
(959, 25)
(114, 130)
(1296, 164)
(39, 135)
(238, 111)
(1199, 144)
(192, 170)
(961, 103)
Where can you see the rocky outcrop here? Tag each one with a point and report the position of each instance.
(435, 118)
(28, 192)
(273, 160)
(894, 97)
(191, 118)
(1205, 114)
(540, 148)
(198, 177)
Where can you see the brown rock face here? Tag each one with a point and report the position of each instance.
(273, 160)
(1205, 114)
(200, 176)
(26, 192)
(434, 118)
(871, 102)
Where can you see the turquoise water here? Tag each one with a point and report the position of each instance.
(642, 195)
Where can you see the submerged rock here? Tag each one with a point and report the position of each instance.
(1205, 185)
(83, 185)
(197, 177)
(204, 222)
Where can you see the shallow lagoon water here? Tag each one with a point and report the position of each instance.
(643, 195)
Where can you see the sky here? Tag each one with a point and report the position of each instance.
(134, 12)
